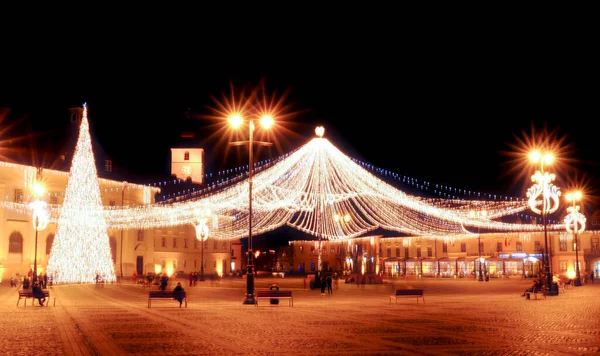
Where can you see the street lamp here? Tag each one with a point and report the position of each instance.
(40, 220)
(200, 219)
(479, 214)
(575, 224)
(549, 193)
(122, 204)
(266, 122)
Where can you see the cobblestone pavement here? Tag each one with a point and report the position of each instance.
(458, 317)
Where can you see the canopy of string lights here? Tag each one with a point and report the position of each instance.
(308, 189)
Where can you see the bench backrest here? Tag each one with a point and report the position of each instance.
(273, 293)
(409, 292)
(28, 293)
(163, 294)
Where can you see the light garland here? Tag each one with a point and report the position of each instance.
(314, 183)
(81, 251)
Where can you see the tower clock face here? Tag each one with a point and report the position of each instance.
(186, 169)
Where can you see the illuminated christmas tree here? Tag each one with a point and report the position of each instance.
(81, 248)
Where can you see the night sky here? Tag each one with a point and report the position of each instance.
(441, 110)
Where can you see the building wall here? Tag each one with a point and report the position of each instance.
(503, 254)
(144, 244)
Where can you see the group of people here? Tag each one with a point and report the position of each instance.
(326, 282)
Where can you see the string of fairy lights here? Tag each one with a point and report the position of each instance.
(306, 190)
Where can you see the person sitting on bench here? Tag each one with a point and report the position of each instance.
(537, 285)
(179, 293)
(38, 293)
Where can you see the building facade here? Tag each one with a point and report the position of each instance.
(500, 255)
(170, 250)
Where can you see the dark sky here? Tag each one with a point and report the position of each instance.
(450, 110)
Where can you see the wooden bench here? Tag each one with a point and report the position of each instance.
(27, 293)
(159, 294)
(275, 294)
(535, 293)
(401, 293)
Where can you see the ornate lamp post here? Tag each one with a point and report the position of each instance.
(575, 224)
(266, 122)
(201, 217)
(479, 214)
(122, 205)
(548, 193)
(40, 220)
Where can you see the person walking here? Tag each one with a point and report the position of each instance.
(323, 285)
(329, 282)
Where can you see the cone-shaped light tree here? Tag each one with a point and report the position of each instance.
(81, 248)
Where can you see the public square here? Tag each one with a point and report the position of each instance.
(458, 317)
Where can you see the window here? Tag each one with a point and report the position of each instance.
(429, 252)
(499, 246)
(174, 265)
(300, 249)
(406, 252)
(481, 244)
(15, 243)
(163, 242)
(108, 165)
(463, 247)
(397, 251)
(174, 242)
(112, 203)
(576, 246)
(18, 196)
(186, 156)
(140, 235)
(312, 250)
(519, 246)
(562, 245)
(388, 252)
(113, 248)
(594, 241)
(184, 263)
(49, 242)
(232, 254)
(537, 246)
(596, 218)
(445, 247)
(563, 266)
(185, 243)
(418, 252)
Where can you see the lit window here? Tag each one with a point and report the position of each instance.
(108, 165)
(18, 196)
(186, 156)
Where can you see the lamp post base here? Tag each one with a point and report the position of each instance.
(577, 282)
(250, 286)
(552, 290)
